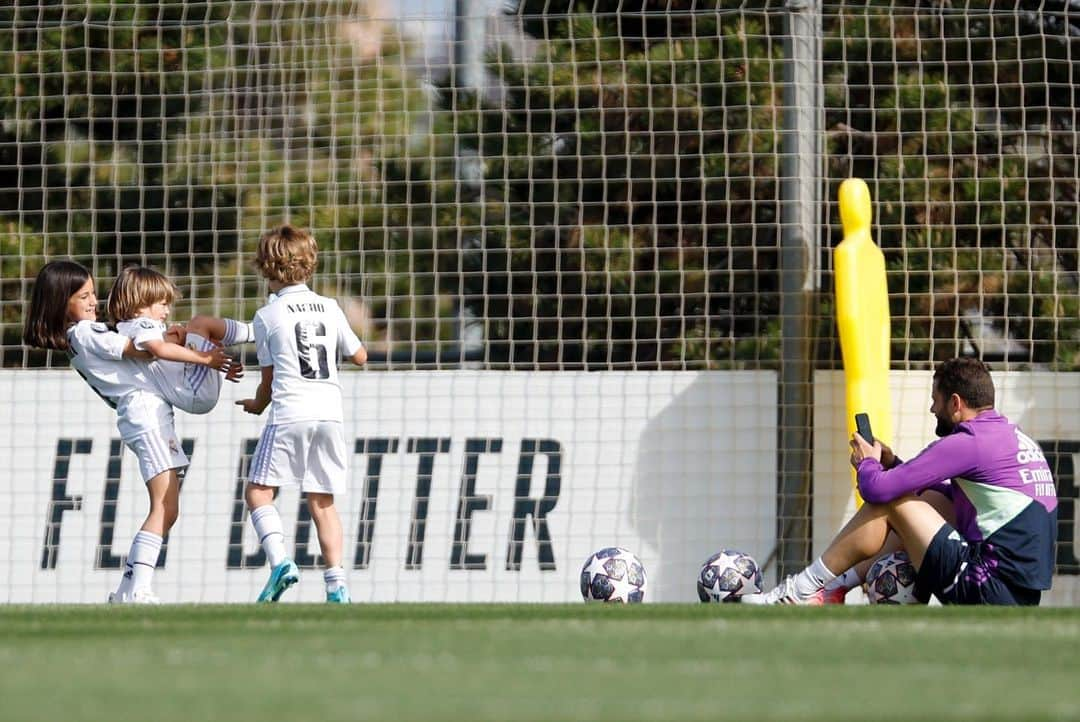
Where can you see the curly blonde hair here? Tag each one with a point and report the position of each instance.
(136, 288)
(287, 254)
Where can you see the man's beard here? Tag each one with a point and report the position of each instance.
(944, 426)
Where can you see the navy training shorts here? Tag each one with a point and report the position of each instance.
(954, 571)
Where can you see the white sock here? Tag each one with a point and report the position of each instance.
(237, 332)
(848, 580)
(127, 582)
(813, 578)
(143, 556)
(268, 528)
(334, 578)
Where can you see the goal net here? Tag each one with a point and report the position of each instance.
(559, 229)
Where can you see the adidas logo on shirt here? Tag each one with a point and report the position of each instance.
(1029, 450)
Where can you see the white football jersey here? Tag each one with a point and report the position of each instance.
(301, 334)
(190, 387)
(141, 330)
(97, 353)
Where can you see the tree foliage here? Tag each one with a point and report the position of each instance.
(610, 200)
(617, 204)
(972, 165)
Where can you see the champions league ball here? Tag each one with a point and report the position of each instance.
(613, 574)
(727, 575)
(891, 580)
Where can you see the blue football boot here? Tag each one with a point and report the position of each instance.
(338, 596)
(282, 577)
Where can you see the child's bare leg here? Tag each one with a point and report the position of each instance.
(164, 493)
(223, 331)
(328, 525)
(210, 328)
(257, 495)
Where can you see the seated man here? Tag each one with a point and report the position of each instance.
(985, 538)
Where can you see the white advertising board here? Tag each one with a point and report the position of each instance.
(464, 486)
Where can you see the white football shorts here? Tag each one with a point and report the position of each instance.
(309, 453)
(147, 425)
(157, 451)
(193, 388)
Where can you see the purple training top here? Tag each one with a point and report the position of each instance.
(1002, 489)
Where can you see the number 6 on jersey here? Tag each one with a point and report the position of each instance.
(311, 345)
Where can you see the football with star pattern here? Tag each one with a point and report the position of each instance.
(613, 574)
(891, 580)
(727, 575)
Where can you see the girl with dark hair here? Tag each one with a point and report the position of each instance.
(63, 316)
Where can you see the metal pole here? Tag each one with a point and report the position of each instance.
(799, 279)
(470, 21)
(468, 77)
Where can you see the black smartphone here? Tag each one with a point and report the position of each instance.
(862, 425)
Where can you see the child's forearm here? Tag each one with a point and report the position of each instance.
(263, 393)
(262, 397)
(166, 351)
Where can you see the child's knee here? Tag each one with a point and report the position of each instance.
(257, 495)
(165, 513)
(320, 502)
(170, 512)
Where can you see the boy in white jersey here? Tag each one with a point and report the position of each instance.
(139, 305)
(298, 335)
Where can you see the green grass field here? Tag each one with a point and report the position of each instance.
(573, 662)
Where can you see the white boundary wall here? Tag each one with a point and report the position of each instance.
(673, 465)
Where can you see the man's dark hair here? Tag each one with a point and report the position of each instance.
(968, 378)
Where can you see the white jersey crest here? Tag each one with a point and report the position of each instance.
(301, 335)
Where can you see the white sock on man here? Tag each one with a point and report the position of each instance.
(334, 578)
(848, 580)
(237, 332)
(143, 556)
(271, 533)
(813, 578)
